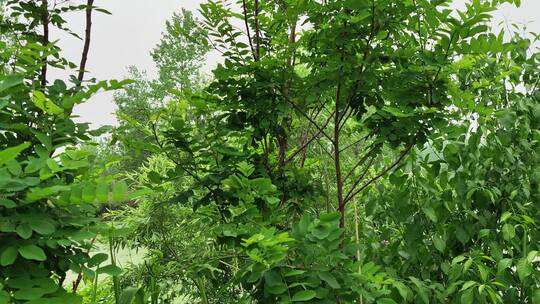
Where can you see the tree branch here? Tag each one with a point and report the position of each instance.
(382, 173)
(307, 143)
(248, 31)
(45, 40)
(257, 31)
(86, 47)
(362, 160)
(321, 130)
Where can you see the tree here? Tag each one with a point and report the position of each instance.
(179, 56)
(48, 186)
(369, 83)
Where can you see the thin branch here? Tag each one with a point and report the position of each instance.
(77, 281)
(162, 147)
(361, 177)
(248, 31)
(324, 149)
(382, 173)
(292, 40)
(445, 55)
(337, 160)
(87, 38)
(307, 143)
(45, 40)
(346, 116)
(356, 142)
(419, 30)
(362, 160)
(257, 31)
(321, 130)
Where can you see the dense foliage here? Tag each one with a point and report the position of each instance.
(367, 151)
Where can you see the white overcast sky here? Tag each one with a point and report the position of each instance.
(135, 27)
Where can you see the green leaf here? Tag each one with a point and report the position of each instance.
(45, 104)
(524, 269)
(536, 297)
(509, 232)
(467, 297)
(439, 242)
(111, 270)
(462, 235)
(11, 153)
(304, 295)
(386, 301)
(330, 279)
(8, 256)
(294, 272)
(422, 292)
(7, 203)
(275, 289)
(119, 191)
(10, 81)
(458, 259)
(396, 112)
(504, 264)
(467, 285)
(505, 216)
(88, 193)
(128, 295)
(42, 226)
(32, 252)
(403, 290)
(102, 192)
(430, 213)
(24, 231)
(154, 177)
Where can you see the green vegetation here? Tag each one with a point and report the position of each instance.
(350, 151)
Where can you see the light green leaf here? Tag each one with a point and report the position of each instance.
(509, 232)
(11, 153)
(111, 270)
(10, 81)
(505, 216)
(422, 292)
(102, 192)
(524, 269)
(467, 297)
(119, 191)
(88, 193)
(128, 295)
(430, 213)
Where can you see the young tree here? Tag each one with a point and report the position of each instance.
(48, 186)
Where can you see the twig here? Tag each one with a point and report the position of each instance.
(257, 31)
(307, 143)
(248, 31)
(321, 130)
(362, 160)
(382, 173)
(45, 41)
(86, 47)
(80, 275)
